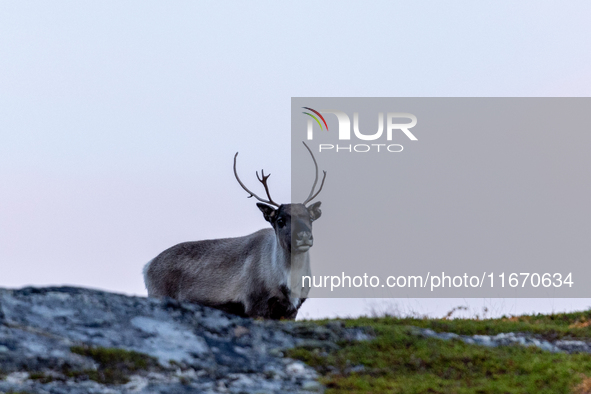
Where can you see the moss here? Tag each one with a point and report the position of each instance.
(41, 377)
(102, 375)
(112, 357)
(396, 361)
(17, 392)
(115, 365)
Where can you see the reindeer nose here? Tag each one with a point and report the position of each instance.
(305, 238)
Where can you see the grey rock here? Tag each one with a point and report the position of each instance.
(197, 349)
(508, 339)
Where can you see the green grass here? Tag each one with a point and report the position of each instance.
(551, 327)
(396, 361)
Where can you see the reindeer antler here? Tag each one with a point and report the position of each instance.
(311, 196)
(263, 181)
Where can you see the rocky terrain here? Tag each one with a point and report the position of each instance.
(66, 340)
(73, 340)
(510, 339)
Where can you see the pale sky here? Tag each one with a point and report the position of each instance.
(119, 120)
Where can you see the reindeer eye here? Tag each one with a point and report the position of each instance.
(281, 222)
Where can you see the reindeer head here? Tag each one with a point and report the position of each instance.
(292, 222)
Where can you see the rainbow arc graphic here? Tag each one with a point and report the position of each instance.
(315, 118)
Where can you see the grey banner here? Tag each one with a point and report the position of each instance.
(475, 197)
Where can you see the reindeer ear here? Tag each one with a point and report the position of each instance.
(315, 211)
(268, 212)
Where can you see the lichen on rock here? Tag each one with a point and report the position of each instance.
(74, 340)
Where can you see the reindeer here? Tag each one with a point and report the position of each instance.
(258, 275)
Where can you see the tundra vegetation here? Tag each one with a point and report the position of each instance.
(114, 366)
(397, 361)
(162, 345)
